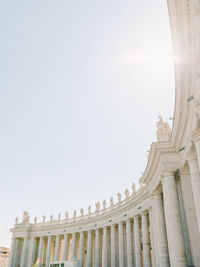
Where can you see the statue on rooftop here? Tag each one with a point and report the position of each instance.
(74, 213)
(104, 204)
(163, 130)
(66, 215)
(127, 193)
(119, 195)
(26, 217)
(35, 220)
(111, 202)
(43, 219)
(89, 210)
(97, 206)
(82, 211)
(133, 188)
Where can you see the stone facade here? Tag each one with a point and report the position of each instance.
(4, 256)
(158, 225)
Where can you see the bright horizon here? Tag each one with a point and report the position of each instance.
(82, 86)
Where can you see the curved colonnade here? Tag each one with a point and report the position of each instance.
(160, 224)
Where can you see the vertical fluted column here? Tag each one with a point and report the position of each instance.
(97, 249)
(137, 242)
(196, 139)
(195, 180)
(57, 248)
(24, 253)
(65, 247)
(12, 248)
(105, 247)
(40, 251)
(160, 228)
(113, 246)
(81, 248)
(121, 245)
(48, 253)
(145, 239)
(129, 244)
(33, 250)
(152, 240)
(89, 249)
(73, 246)
(190, 214)
(173, 222)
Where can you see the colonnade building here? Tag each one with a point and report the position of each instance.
(157, 225)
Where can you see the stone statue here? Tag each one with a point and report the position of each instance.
(163, 130)
(119, 197)
(43, 219)
(82, 211)
(26, 217)
(127, 193)
(51, 218)
(35, 220)
(133, 188)
(97, 206)
(89, 210)
(66, 215)
(104, 204)
(59, 216)
(16, 220)
(111, 202)
(74, 214)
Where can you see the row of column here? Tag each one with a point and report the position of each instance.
(170, 209)
(123, 244)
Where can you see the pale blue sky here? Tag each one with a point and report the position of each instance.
(81, 85)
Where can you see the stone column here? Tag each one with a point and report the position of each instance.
(137, 242)
(33, 250)
(24, 253)
(121, 245)
(160, 228)
(65, 247)
(40, 251)
(196, 139)
(73, 246)
(48, 253)
(113, 246)
(129, 244)
(12, 248)
(173, 222)
(195, 180)
(145, 239)
(190, 214)
(105, 247)
(97, 249)
(89, 249)
(81, 248)
(57, 247)
(15, 253)
(152, 241)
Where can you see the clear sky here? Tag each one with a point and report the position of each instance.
(81, 85)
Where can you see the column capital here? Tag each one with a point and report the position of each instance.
(128, 220)
(144, 213)
(136, 216)
(191, 156)
(196, 135)
(167, 173)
